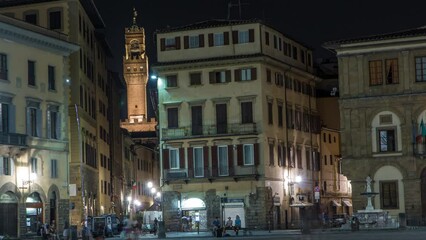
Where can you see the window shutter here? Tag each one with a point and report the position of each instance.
(166, 160)
(226, 38)
(215, 169)
(240, 160)
(251, 35)
(190, 162)
(210, 39)
(253, 74)
(185, 42)
(12, 118)
(212, 77)
(234, 37)
(280, 159)
(177, 41)
(201, 40)
(228, 75)
(162, 44)
(182, 158)
(28, 121)
(206, 159)
(58, 125)
(237, 75)
(48, 127)
(1, 166)
(38, 122)
(256, 154)
(12, 166)
(231, 156)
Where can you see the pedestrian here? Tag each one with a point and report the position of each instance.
(237, 225)
(216, 226)
(52, 231)
(66, 233)
(228, 224)
(155, 226)
(45, 231)
(190, 223)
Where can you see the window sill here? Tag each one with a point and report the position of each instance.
(196, 85)
(390, 154)
(168, 88)
(4, 80)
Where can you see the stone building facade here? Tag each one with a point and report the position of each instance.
(382, 115)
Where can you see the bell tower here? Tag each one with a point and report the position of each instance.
(135, 64)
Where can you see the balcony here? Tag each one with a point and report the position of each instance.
(210, 174)
(13, 139)
(208, 130)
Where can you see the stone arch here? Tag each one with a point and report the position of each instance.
(53, 188)
(388, 174)
(11, 187)
(37, 188)
(371, 115)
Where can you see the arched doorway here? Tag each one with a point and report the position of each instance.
(34, 212)
(423, 192)
(9, 211)
(53, 207)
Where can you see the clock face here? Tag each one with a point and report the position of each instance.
(134, 46)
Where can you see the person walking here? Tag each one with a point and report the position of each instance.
(237, 225)
(155, 226)
(216, 226)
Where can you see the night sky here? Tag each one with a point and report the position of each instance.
(311, 22)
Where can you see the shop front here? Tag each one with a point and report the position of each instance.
(194, 212)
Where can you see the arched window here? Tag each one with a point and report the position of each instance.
(386, 133)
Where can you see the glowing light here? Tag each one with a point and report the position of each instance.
(149, 184)
(298, 179)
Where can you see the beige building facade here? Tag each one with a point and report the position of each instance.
(34, 143)
(382, 116)
(238, 124)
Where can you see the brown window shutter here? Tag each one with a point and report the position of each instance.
(166, 160)
(237, 75)
(253, 74)
(211, 77)
(182, 158)
(206, 160)
(226, 38)
(228, 75)
(256, 154)
(201, 40)
(240, 161)
(190, 162)
(231, 156)
(162, 44)
(251, 35)
(280, 160)
(185, 42)
(210, 37)
(177, 40)
(215, 169)
(234, 37)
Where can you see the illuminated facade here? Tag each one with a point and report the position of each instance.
(238, 122)
(34, 82)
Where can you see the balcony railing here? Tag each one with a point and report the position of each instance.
(209, 130)
(210, 173)
(13, 139)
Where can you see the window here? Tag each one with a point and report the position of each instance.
(302, 55)
(308, 159)
(299, 158)
(221, 118)
(172, 117)
(220, 76)
(271, 154)
(279, 79)
(31, 18)
(198, 162)
(420, 69)
(223, 160)
(53, 168)
(392, 76)
(245, 74)
(268, 76)
(195, 79)
(275, 42)
(387, 140)
(171, 81)
(5, 166)
(55, 21)
(389, 194)
(194, 41)
(248, 154)
(31, 73)
(246, 112)
(325, 159)
(174, 158)
(34, 120)
(51, 78)
(3, 66)
(270, 114)
(4, 118)
(33, 165)
(376, 72)
(267, 38)
(218, 39)
(170, 42)
(243, 36)
(53, 122)
(280, 115)
(197, 120)
(294, 53)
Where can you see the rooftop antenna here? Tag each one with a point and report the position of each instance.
(230, 5)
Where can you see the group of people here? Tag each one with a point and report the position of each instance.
(47, 231)
(229, 225)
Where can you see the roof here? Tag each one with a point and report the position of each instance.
(88, 6)
(208, 24)
(414, 32)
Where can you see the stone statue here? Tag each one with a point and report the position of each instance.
(368, 180)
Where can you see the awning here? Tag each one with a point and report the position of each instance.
(347, 203)
(335, 203)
